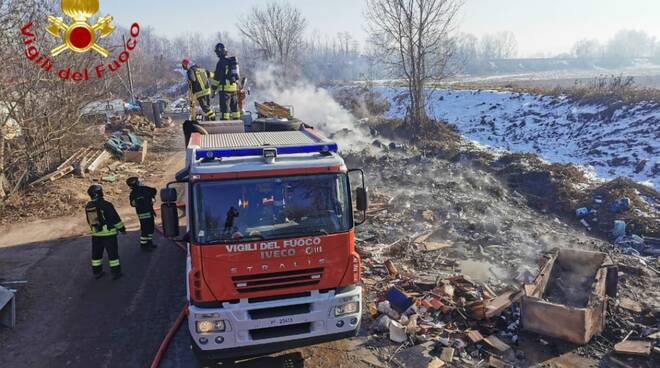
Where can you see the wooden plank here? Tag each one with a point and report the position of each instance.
(498, 363)
(631, 305)
(474, 336)
(496, 343)
(102, 158)
(76, 156)
(447, 355)
(638, 348)
(495, 307)
(423, 237)
(430, 246)
(436, 363)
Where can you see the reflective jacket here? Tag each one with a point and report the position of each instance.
(142, 198)
(103, 219)
(226, 75)
(198, 78)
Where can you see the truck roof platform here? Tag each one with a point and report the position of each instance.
(253, 144)
(260, 151)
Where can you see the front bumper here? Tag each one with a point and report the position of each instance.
(261, 328)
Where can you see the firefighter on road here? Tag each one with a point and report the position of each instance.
(225, 80)
(142, 198)
(104, 223)
(198, 83)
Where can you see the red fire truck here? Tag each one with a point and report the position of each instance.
(271, 261)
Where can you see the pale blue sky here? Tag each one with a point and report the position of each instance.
(539, 25)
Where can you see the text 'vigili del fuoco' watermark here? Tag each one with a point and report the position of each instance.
(79, 36)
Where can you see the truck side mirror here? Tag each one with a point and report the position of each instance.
(361, 194)
(169, 212)
(362, 199)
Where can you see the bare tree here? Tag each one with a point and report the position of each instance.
(277, 32)
(501, 45)
(415, 39)
(587, 48)
(630, 44)
(45, 108)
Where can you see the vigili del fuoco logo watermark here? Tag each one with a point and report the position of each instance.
(78, 36)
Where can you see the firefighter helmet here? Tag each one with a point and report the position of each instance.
(185, 64)
(95, 191)
(220, 49)
(133, 181)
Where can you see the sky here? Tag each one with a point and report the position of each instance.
(542, 27)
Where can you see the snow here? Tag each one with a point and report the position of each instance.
(610, 141)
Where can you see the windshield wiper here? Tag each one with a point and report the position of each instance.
(235, 240)
(304, 232)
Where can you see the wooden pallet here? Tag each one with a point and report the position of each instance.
(81, 160)
(273, 110)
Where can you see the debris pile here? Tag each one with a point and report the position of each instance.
(128, 147)
(453, 318)
(84, 160)
(445, 252)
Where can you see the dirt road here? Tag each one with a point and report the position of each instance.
(66, 318)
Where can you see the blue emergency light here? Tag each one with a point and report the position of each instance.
(281, 150)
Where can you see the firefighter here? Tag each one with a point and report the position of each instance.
(225, 80)
(198, 83)
(142, 198)
(104, 223)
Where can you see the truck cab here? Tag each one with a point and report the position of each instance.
(270, 227)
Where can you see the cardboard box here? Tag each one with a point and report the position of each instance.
(136, 156)
(567, 300)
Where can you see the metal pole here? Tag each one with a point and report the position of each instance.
(130, 75)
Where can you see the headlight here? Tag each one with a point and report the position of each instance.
(206, 326)
(350, 308)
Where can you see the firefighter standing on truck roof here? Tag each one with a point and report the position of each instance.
(225, 79)
(198, 82)
(142, 198)
(104, 223)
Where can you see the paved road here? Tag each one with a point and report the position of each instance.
(66, 318)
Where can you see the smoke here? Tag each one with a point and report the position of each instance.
(313, 105)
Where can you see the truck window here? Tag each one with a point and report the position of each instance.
(270, 208)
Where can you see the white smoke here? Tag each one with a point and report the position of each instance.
(313, 105)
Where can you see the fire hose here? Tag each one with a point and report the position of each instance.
(168, 338)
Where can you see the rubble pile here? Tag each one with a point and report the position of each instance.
(455, 314)
(446, 251)
(133, 122)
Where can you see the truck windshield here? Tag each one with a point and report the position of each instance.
(269, 208)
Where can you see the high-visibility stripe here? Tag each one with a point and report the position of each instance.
(236, 115)
(203, 93)
(104, 231)
(226, 116)
(97, 262)
(143, 216)
(114, 262)
(201, 78)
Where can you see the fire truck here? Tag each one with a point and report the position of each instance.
(270, 216)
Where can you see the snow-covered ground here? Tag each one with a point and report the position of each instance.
(612, 141)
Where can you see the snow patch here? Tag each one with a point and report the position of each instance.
(625, 142)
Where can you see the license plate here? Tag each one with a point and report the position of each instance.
(280, 321)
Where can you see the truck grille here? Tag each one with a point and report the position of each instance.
(277, 280)
(288, 310)
(281, 331)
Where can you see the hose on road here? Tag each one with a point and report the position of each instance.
(168, 337)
